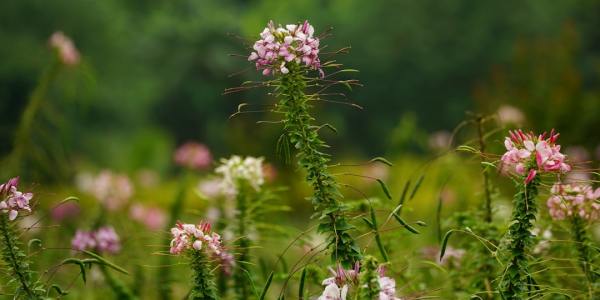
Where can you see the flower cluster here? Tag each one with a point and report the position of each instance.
(337, 286)
(193, 156)
(66, 49)
(153, 217)
(528, 154)
(197, 237)
(569, 200)
(112, 190)
(236, 169)
(279, 46)
(104, 239)
(13, 201)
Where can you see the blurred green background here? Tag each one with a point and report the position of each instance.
(153, 73)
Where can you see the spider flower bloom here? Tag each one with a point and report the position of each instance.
(13, 201)
(529, 155)
(280, 46)
(153, 217)
(190, 237)
(387, 286)
(83, 240)
(569, 200)
(236, 169)
(66, 49)
(105, 239)
(193, 156)
(112, 190)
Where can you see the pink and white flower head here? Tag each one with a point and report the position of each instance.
(190, 237)
(342, 276)
(387, 286)
(235, 170)
(529, 155)
(13, 201)
(193, 155)
(334, 292)
(280, 46)
(104, 239)
(112, 190)
(153, 217)
(66, 49)
(574, 200)
(83, 240)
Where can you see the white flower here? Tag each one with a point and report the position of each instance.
(333, 292)
(236, 170)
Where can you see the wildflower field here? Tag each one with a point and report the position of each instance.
(308, 150)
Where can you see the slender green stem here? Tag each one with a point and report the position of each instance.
(304, 137)
(240, 277)
(16, 260)
(164, 273)
(486, 176)
(516, 280)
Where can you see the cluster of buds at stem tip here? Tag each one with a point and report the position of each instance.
(67, 51)
(280, 46)
(337, 286)
(13, 201)
(104, 239)
(574, 200)
(190, 237)
(529, 155)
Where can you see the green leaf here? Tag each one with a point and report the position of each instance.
(59, 290)
(416, 188)
(301, 287)
(384, 188)
(406, 225)
(105, 262)
(381, 160)
(445, 243)
(266, 288)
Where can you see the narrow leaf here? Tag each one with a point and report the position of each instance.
(266, 288)
(301, 287)
(384, 188)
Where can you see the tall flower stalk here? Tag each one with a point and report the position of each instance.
(289, 53)
(18, 266)
(204, 250)
(578, 203)
(527, 157)
(242, 179)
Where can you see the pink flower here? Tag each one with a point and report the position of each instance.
(105, 239)
(190, 237)
(66, 49)
(193, 155)
(153, 217)
(12, 200)
(281, 46)
(112, 190)
(65, 211)
(83, 240)
(529, 155)
(574, 200)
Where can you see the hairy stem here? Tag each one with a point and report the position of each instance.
(16, 260)
(369, 280)
(516, 280)
(304, 137)
(203, 282)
